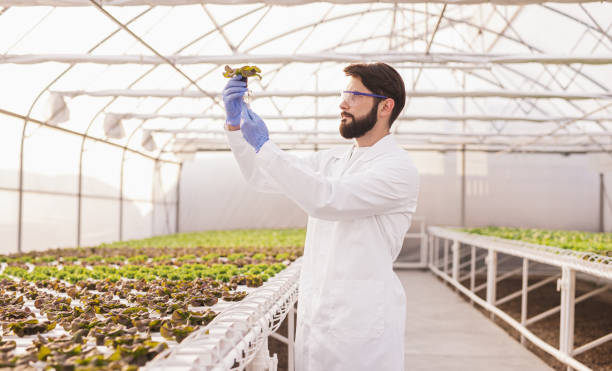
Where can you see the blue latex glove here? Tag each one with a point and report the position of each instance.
(232, 99)
(253, 129)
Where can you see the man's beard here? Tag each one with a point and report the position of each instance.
(358, 127)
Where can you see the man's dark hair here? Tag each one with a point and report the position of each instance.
(381, 79)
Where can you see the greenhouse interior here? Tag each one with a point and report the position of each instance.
(153, 218)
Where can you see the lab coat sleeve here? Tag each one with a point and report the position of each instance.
(253, 174)
(391, 186)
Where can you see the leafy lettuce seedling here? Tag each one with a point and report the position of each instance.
(244, 71)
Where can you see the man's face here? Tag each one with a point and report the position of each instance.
(359, 113)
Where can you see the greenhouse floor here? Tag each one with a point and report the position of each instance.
(444, 332)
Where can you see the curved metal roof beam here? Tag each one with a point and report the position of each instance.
(218, 29)
(360, 15)
(268, 8)
(295, 50)
(314, 24)
(199, 77)
(560, 12)
(28, 119)
(506, 27)
(59, 128)
(29, 30)
(427, 49)
(514, 40)
(526, 44)
(158, 54)
(521, 43)
(186, 125)
(471, 47)
(345, 43)
(97, 114)
(578, 71)
(569, 121)
(91, 122)
(311, 25)
(275, 73)
(560, 69)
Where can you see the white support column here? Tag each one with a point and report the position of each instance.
(567, 285)
(438, 243)
(423, 256)
(491, 278)
(524, 292)
(473, 269)
(262, 360)
(455, 248)
(445, 268)
(431, 249)
(291, 339)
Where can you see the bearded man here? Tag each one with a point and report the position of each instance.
(360, 202)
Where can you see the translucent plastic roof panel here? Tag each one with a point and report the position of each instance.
(497, 69)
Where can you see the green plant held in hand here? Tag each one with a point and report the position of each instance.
(244, 71)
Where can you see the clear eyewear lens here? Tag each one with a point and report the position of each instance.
(347, 97)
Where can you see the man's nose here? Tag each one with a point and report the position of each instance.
(343, 105)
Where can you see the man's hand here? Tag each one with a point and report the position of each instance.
(232, 99)
(254, 129)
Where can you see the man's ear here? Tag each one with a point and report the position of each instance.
(386, 107)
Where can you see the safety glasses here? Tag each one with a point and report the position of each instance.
(350, 97)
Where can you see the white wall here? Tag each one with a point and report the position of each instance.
(520, 190)
(535, 191)
(50, 181)
(214, 195)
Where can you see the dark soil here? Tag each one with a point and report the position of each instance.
(593, 319)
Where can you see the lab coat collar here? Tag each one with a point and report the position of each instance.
(384, 145)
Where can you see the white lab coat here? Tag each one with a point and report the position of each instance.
(351, 305)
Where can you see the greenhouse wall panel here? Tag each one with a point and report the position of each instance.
(137, 220)
(137, 178)
(48, 221)
(607, 202)
(100, 221)
(165, 181)
(9, 151)
(440, 187)
(510, 183)
(101, 169)
(8, 226)
(21, 85)
(164, 219)
(51, 160)
(214, 195)
(536, 191)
